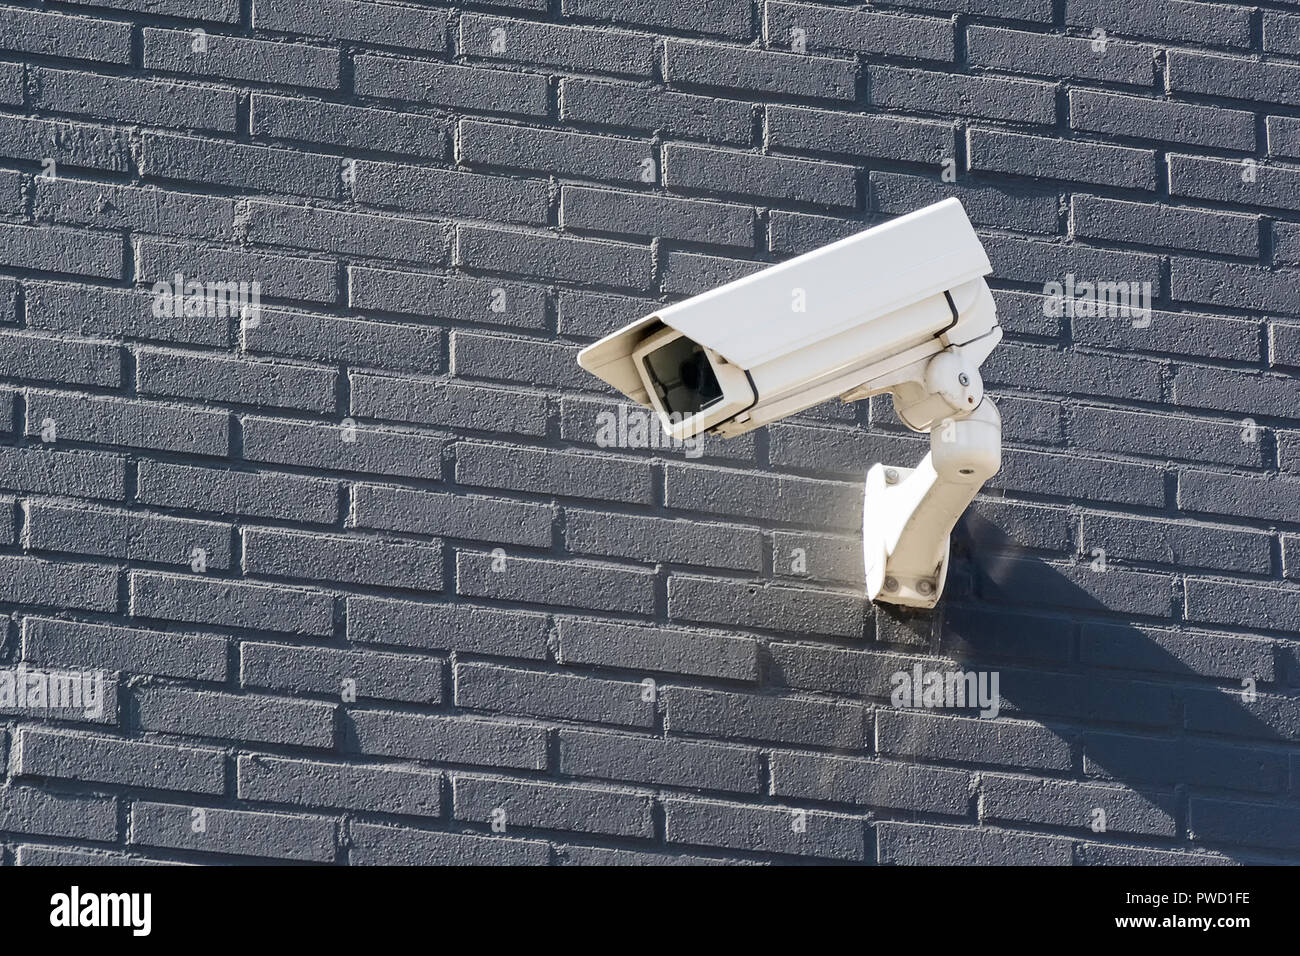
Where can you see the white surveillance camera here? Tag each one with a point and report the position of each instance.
(900, 308)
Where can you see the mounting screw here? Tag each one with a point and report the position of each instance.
(891, 584)
(963, 378)
(891, 476)
(925, 586)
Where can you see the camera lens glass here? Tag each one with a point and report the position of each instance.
(683, 377)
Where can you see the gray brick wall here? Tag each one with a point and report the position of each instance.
(366, 584)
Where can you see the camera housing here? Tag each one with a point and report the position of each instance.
(900, 308)
(858, 317)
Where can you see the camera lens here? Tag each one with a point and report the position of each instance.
(683, 376)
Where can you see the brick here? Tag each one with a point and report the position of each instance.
(615, 264)
(73, 144)
(131, 535)
(769, 498)
(1248, 393)
(129, 423)
(264, 494)
(452, 297)
(604, 210)
(1243, 605)
(660, 650)
(1187, 761)
(652, 540)
(696, 168)
(554, 807)
(857, 31)
(99, 312)
(1007, 743)
(1212, 24)
(363, 675)
(1283, 136)
(1165, 436)
(1177, 543)
(913, 844)
(25, 580)
(346, 447)
(75, 474)
(45, 358)
(492, 743)
(401, 846)
(245, 167)
(580, 49)
(874, 135)
(113, 760)
(542, 471)
(355, 127)
(28, 810)
(737, 603)
(58, 249)
(450, 191)
(131, 649)
(690, 273)
(526, 361)
(1222, 181)
(165, 103)
(148, 209)
(1178, 333)
(781, 719)
(1281, 33)
(57, 34)
(758, 71)
(1175, 652)
(1233, 76)
(1021, 101)
(431, 402)
(1254, 824)
(354, 342)
(588, 315)
(347, 560)
(226, 603)
(221, 11)
(578, 155)
(442, 84)
(214, 378)
(452, 516)
(346, 233)
(1226, 712)
(1020, 51)
(790, 232)
(1284, 344)
(450, 627)
(288, 277)
(1264, 497)
(239, 832)
(1139, 223)
(1161, 120)
(727, 18)
(985, 204)
(601, 587)
(870, 783)
(1073, 806)
(659, 762)
(398, 25)
(539, 694)
(1040, 157)
(236, 58)
(677, 114)
(309, 783)
(764, 829)
(274, 720)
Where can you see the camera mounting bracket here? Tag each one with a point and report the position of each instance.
(908, 513)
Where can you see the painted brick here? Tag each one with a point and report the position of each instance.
(227, 603)
(237, 832)
(781, 719)
(764, 829)
(679, 114)
(274, 720)
(554, 807)
(1040, 157)
(131, 649)
(313, 784)
(345, 447)
(442, 84)
(451, 627)
(660, 650)
(328, 672)
(400, 25)
(654, 761)
(119, 533)
(570, 48)
(122, 762)
(696, 168)
(858, 31)
(264, 494)
(452, 516)
(1020, 51)
(540, 694)
(447, 739)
